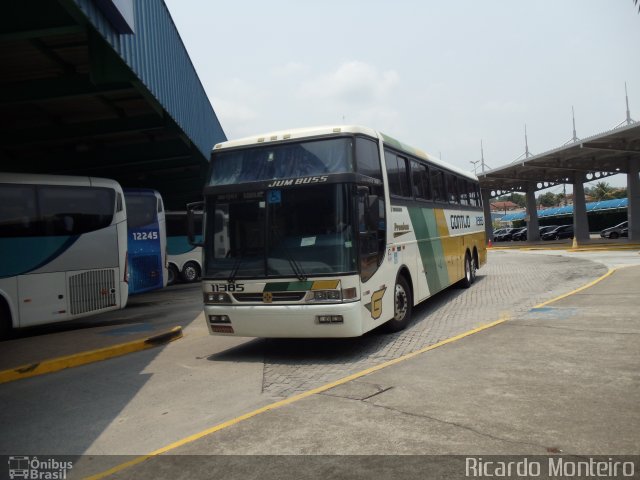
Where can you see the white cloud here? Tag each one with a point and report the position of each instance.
(353, 83)
(290, 69)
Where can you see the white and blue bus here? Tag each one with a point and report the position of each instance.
(147, 240)
(184, 259)
(63, 248)
(332, 232)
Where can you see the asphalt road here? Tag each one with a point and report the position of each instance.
(138, 403)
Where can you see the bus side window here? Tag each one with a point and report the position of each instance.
(397, 174)
(452, 188)
(464, 191)
(420, 181)
(437, 185)
(18, 213)
(368, 158)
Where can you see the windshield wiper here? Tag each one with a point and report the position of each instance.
(236, 267)
(295, 266)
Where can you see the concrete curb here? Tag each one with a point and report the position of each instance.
(90, 356)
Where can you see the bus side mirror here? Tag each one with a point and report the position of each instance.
(192, 210)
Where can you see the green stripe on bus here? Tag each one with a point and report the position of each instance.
(430, 248)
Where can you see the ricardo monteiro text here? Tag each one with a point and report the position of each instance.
(550, 467)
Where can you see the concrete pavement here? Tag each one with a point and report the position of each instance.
(562, 378)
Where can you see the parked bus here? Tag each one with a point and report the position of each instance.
(332, 232)
(184, 260)
(63, 248)
(147, 238)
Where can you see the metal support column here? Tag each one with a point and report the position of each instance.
(633, 193)
(580, 221)
(533, 226)
(486, 205)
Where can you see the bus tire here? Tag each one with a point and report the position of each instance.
(470, 268)
(402, 305)
(5, 320)
(172, 274)
(191, 272)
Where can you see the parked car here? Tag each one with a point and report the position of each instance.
(520, 235)
(547, 228)
(625, 232)
(506, 235)
(523, 234)
(498, 232)
(558, 233)
(615, 232)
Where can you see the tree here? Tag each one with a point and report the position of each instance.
(548, 199)
(620, 193)
(602, 191)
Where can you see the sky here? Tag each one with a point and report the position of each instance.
(441, 75)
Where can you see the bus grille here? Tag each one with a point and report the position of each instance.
(91, 291)
(277, 297)
(145, 273)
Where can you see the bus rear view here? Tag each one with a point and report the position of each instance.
(147, 240)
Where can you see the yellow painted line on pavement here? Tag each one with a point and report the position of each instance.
(90, 356)
(221, 426)
(584, 287)
(290, 400)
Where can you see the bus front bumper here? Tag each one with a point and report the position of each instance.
(286, 321)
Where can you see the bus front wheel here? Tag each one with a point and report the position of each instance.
(402, 304)
(5, 320)
(191, 272)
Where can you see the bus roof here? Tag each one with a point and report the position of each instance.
(321, 131)
(38, 179)
(150, 192)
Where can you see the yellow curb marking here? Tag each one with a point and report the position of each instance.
(323, 388)
(83, 358)
(584, 287)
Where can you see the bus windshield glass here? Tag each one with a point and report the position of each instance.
(141, 210)
(289, 160)
(282, 233)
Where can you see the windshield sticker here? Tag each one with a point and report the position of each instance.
(275, 196)
(308, 241)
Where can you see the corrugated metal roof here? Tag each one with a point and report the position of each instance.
(568, 210)
(158, 57)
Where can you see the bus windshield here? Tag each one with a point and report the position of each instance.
(282, 233)
(289, 160)
(141, 209)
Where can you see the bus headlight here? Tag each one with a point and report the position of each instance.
(327, 295)
(214, 298)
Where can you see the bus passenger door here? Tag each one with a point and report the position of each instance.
(42, 298)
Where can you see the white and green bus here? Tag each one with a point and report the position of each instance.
(63, 248)
(332, 232)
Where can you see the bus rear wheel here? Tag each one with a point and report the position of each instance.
(190, 272)
(173, 274)
(470, 268)
(402, 305)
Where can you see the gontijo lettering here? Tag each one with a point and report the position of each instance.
(460, 221)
